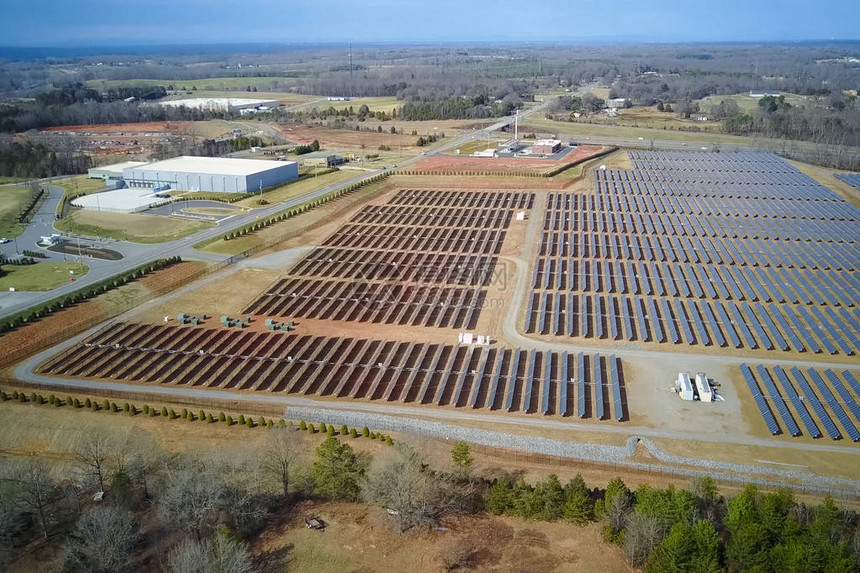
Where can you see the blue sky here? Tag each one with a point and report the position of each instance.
(135, 22)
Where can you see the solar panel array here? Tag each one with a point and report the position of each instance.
(494, 378)
(737, 249)
(833, 396)
(423, 259)
(852, 179)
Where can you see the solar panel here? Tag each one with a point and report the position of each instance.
(654, 319)
(584, 316)
(777, 400)
(617, 404)
(849, 400)
(809, 396)
(494, 384)
(834, 405)
(512, 381)
(769, 420)
(580, 385)
(727, 324)
(598, 316)
(818, 329)
(547, 382)
(799, 406)
(670, 322)
(598, 387)
(563, 382)
(530, 373)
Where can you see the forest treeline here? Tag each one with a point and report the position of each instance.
(175, 511)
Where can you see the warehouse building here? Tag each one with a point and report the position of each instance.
(546, 146)
(322, 159)
(112, 173)
(211, 174)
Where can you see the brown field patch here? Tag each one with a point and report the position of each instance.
(127, 128)
(464, 165)
(368, 140)
(34, 337)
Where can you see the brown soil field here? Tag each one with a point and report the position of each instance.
(36, 336)
(459, 164)
(174, 127)
(337, 138)
(359, 538)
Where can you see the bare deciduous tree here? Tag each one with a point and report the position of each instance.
(36, 490)
(103, 541)
(93, 456)
(279, 451)
(191, 498)
(223, 554)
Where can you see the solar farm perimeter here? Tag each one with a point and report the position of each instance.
(736, 264)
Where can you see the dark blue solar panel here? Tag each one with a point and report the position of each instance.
(580, 385)
(769, 420)
(847, 399)
(808, 422)
(617, 403)
(810, 398)
(564, 381)
(598, 387)
(512, 381)
(547, 382)
(834, 405)
(777, 400)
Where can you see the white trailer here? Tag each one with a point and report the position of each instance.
(684, 387)
(704, 388)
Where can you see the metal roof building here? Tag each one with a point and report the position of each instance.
(112, 172)
(212, 174)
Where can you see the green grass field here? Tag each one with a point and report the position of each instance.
(134, 227)
(747, 103)
(79, 185)
(297, 188)
(374, 104)
(41, 276)
(11, 180)
(12, 200)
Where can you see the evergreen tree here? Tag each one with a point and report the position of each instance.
(336, 470)
(674, 554)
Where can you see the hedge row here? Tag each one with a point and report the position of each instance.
(17, 261)
(35, 254)
(188, 415)
(25, 212)
(298, 209)
(83, 294)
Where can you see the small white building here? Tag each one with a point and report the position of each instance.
(704, 388)
(485, 153)
(684, 387)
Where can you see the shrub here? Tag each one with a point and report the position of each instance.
(249, 422)
(353, 433)
(146, 408)
(3, 395)
(88, 403)
(311, 429)
(164, 411)
(77, 403)
(388, 440)
(241, 419)
(153, 412)
(52, 399)
(184, 413)
(262, 421)
(323, 428)
(106, 405)
(330, 430)
(269, 424)
(114, 407)
(171, 414)
(282, 423)
(229, 420)
(125, 407)
(33, 397)
(221, 417)
(69, 401)
(344, 430)
(302, 425)
(209, 419)
(201, 415)
(132, 410)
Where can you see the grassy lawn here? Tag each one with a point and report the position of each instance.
(41, 276)
(297, 188)
(374, 104)
(79, 184)
(9, 180)
(577, 129)
(477, 145)
(12, 200)
(134, 227)
(745, 102)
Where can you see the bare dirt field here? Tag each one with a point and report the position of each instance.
(459, 164)
(346, 138)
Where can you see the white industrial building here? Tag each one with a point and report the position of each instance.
(684, 387)
(704, 388)
(229, 105)
(112, 173)
(211, 174)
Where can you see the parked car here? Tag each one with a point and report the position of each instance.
(4, 240)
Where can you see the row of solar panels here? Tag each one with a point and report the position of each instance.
(750, 253)
(695, 280)
(611, 196)
(622, 220)
(787, 394)
(632, 199)
(852, 179)
(662, 320)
